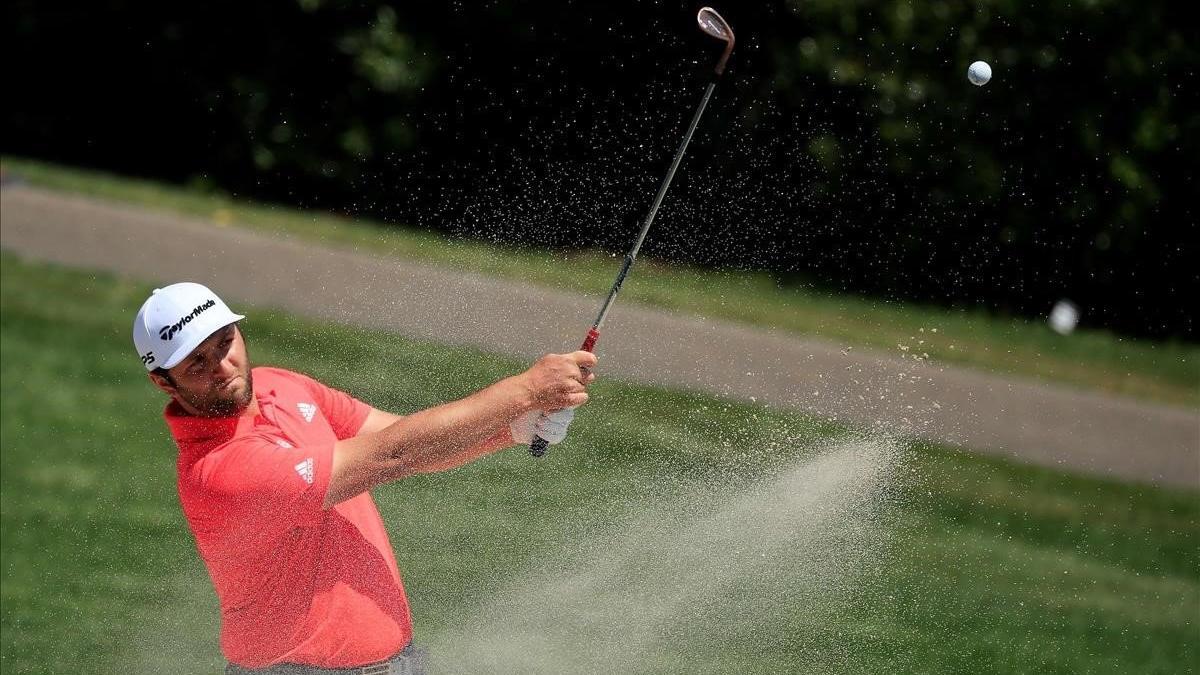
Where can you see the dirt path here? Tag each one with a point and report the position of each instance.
(1030, 421)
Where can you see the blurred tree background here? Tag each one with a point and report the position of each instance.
(845, 150)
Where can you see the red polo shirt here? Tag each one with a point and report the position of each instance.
(296, 583)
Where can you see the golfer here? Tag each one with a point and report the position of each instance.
(275, 471)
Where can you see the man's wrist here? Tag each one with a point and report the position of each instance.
(521, 393)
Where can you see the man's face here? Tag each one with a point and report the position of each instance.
(214, 380)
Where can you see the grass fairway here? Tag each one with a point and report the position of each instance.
(968, 565)
(1161, 371)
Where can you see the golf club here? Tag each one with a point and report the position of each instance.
(712, 24)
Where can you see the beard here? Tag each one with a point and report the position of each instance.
(218, 402)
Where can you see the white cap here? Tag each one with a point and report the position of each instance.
(175, 320)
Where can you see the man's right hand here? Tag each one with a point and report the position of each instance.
(558, 381)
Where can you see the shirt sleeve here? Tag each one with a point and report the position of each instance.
(345, 414)
(260, 487)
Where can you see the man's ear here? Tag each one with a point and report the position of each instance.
(163, 383)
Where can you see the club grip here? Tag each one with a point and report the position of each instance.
(539, 445)
(589, 342)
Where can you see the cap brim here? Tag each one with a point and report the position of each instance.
(185, 350)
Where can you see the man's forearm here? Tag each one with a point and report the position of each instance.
(454, 433)
(500, 440)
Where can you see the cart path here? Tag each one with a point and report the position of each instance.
(1031, 421)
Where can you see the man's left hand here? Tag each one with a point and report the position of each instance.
(550, 426)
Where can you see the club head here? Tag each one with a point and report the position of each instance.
(712, 24)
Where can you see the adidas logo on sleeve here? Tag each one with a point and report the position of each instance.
(307, 410)
(305, 469)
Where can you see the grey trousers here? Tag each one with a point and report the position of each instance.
(410, 661)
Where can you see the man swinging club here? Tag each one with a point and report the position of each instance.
(275, 471)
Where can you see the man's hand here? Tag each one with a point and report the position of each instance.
(550, 426)
(558, 381)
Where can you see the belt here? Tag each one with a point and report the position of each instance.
(408, 661)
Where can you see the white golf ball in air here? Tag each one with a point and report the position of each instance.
(979, 73)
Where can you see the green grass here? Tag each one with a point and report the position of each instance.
(1161, 371)
(985, 566)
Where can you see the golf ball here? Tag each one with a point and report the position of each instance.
(979, 73)
(1064, 317)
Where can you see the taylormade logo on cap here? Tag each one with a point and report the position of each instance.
(174, 320)
(168, 332)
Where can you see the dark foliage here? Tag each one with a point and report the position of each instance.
(845, 149)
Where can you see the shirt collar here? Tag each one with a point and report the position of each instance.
(187, 428)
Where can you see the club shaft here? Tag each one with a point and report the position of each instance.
(662, 191)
